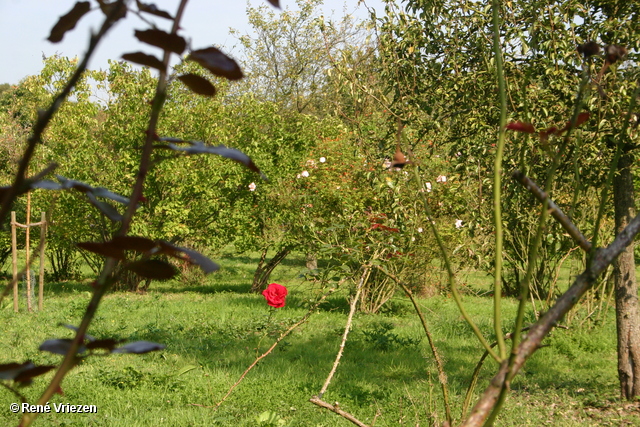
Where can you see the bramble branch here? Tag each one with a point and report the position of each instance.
(602, 259)
(335, 408)
(555, 211)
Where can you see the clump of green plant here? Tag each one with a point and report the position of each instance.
(382, 337)
(126, 378)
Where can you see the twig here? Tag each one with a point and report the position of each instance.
(555, 211)
(613, 167)
(442, 376)
(347, 328)
(555, 281)
(266, 353)
(334, 408)
(19, 395)
(602, 259)
(537, 240)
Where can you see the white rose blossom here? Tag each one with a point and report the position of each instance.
(252, 186)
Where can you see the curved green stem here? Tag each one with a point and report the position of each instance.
(497, 182)
(452, 281)
(535, 245)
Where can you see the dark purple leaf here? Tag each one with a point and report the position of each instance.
(163, 40)
(103, 192)
(139, 347)
(198, 147)
(108, 8)
(46, 185)
(68, 21)
(152, 269)
(152, 9)
(76, 185)
(217, 62)
(521, 127)
(59, 346)
(144, 59)
(105, 249)
(198, 84)
(200, 260)
(189, 255)
(171, 139)
(109, 211)
(133, 243)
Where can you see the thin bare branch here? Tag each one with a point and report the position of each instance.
(266, 353)
(347, 328)
(335, 408)
(555, 211)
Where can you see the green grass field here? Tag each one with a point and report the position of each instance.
(214, 330)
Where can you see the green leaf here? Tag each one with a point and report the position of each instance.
(186, 369)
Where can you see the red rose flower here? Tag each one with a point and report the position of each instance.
(275, 295)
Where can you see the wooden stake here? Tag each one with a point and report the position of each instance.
(43, 237)
(15, 261)
(27, 254)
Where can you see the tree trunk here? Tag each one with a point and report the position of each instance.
(262, 274)
(627, 320)
(311, 261)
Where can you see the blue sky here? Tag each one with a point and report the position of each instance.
(25, 25)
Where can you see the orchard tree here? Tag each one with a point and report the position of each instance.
(288, 59)
(442, 78)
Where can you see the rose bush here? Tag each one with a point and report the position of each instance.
(275, 295)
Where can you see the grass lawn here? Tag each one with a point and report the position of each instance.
(387, 377)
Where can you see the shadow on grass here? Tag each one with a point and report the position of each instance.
(62, 288)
